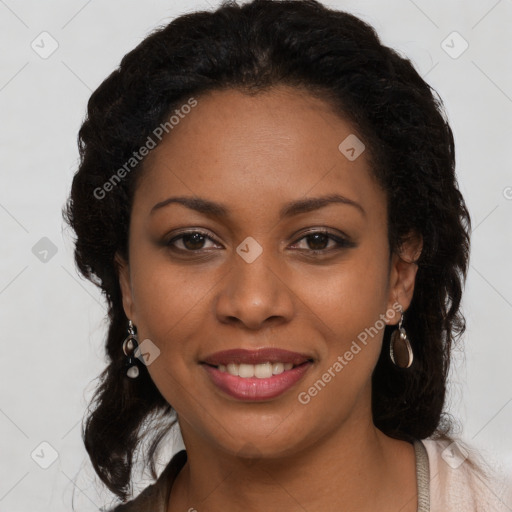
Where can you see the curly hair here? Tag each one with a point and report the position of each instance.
(332, 55)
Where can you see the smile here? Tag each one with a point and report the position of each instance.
(256, 388)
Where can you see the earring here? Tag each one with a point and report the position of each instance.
(130, 345)
(400, 347)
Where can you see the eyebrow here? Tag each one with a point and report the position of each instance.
(290, 209)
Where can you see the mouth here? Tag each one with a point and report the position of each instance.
(256, 374)
(259, 371)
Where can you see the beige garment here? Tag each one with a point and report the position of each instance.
(456, 486)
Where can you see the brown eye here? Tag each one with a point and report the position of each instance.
(194, 241)
(190, 241)
(317, 242)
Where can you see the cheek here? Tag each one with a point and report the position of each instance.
(169, 300)
(350, 307)
(168, 304)
(346, 298)
(352, 314)
(170, 310)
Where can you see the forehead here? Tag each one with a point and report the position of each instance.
(227, 123)
(280, 144)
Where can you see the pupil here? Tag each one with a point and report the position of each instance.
(197, 241)
(316, 237)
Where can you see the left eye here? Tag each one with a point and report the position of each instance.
(318, 240)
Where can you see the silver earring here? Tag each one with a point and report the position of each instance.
(130, 345)
(400, 347)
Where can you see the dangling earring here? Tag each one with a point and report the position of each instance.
(130, 345)
(400, 347)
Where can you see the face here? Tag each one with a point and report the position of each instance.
(293, 255)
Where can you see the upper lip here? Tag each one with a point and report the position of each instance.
(262, 355)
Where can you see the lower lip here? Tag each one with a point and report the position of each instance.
(255, 389)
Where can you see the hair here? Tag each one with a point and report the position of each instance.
(253, 47)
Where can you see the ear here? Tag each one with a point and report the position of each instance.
(123, 272)
(402, 275)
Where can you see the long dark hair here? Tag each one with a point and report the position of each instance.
(252, 47)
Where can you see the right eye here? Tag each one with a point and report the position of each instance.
(191, 241)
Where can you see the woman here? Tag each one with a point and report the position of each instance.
(267, 197)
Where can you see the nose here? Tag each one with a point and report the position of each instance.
(255, 294)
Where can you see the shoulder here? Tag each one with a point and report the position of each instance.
(460, 480)
(155, 497)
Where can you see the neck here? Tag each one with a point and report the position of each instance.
(353, 469)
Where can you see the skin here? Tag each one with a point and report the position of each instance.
(254, 155)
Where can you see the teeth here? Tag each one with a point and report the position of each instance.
(260, 371)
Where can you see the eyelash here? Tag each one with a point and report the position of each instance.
(342, 243)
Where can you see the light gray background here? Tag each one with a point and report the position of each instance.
(52, 321)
